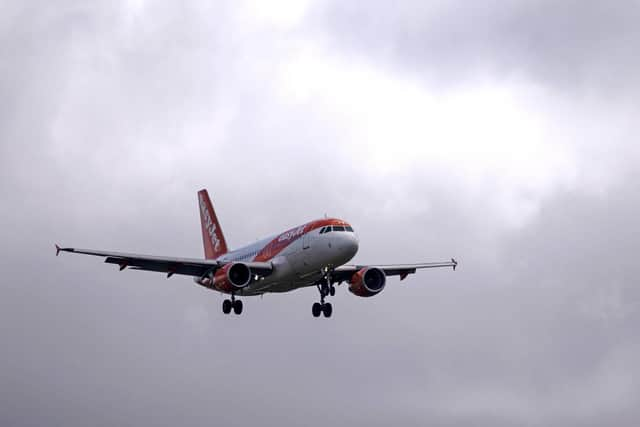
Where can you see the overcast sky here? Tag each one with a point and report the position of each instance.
(503, 133)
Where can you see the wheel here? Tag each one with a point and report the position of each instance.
(316, 309)
(332, 290)
(237, 306)
(226, 306)
(327, 309)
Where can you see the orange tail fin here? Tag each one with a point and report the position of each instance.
(212, 237)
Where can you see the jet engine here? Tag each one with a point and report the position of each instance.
(367, 282)
(232, 277)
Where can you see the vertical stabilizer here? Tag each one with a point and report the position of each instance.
(212, 237)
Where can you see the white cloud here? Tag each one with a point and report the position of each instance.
(489, 139)
(277, 14)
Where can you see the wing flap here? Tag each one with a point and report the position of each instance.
(169, 267)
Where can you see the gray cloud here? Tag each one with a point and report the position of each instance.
(114, 116)
(572, 45)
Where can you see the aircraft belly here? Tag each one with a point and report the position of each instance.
(289, 286)
(284, 280)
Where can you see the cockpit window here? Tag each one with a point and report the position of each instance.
(329, 228)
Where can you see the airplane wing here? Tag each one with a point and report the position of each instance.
(186, 266)
(345, 272)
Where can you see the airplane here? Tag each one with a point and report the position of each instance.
(312, 254)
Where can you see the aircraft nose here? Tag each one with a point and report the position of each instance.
(350, 244)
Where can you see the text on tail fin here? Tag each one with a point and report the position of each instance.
(212, 237)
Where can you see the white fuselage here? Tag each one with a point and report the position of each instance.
(300, 259)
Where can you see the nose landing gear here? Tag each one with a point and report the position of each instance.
(325, 287)
(321, 308)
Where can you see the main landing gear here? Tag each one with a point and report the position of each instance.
(325, 287)
(233, 303)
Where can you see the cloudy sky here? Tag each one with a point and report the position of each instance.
(504, 133)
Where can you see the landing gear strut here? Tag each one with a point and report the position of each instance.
(233, 303)
(325, 287)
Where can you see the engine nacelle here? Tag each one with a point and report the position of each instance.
(232, 277)
(367, 282)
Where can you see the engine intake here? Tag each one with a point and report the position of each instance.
(367, 282)
(232, 277)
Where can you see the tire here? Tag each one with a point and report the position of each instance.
(226, 306)
(332, 290)
(327, 309)
(237, 307)
(316, 309)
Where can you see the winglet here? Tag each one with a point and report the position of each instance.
(455, 263)
(59, 249)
